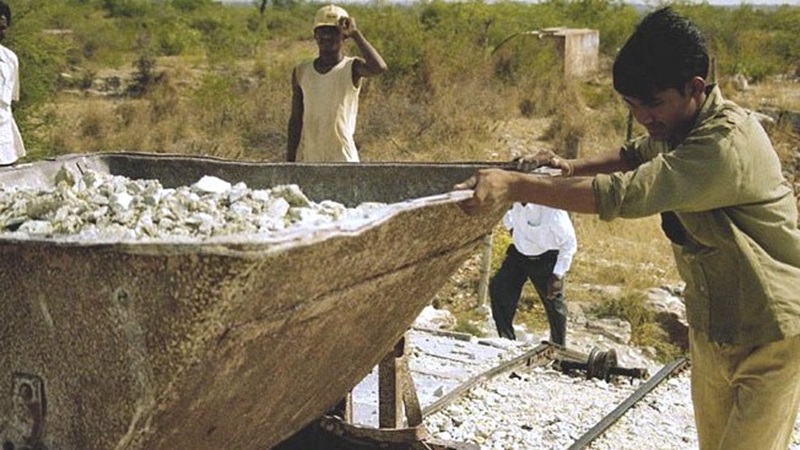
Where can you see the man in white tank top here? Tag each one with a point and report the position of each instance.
(325, 91)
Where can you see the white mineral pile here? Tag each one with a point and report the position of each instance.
(95, 205)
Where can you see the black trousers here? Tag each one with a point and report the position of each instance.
(506, 285)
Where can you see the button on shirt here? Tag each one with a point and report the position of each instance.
(11, 145)
(537, 229)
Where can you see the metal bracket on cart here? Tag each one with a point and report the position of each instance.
(24, 429)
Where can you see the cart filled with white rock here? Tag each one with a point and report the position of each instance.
(176, 302)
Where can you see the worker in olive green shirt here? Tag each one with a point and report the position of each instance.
(708, 167)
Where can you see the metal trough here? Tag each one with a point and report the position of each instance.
(229, 343)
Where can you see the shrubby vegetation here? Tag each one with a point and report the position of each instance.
(227, 70)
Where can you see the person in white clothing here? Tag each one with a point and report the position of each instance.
(11, 145)
(543, 245)
(325, 91)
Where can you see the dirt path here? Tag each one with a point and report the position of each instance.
(520, 136)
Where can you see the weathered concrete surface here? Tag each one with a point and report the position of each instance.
(579, 50)
(232, 343)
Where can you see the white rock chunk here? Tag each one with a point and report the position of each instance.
(211, 185)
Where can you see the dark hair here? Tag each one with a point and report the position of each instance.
(5, 11)
(665, 51)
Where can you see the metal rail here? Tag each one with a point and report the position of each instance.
(539, 355)
(542, 354)
(667, 371)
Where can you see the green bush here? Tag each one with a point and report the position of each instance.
(401, 42)
(180, 39)
(452, 67)
(500, 242)
(644, 330)
(41, 58)
(127, 8)
(190, 5)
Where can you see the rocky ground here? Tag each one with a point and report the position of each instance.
(537, 408)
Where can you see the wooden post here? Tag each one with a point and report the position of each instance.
(486, 266)
(390, 388)
(629, 131)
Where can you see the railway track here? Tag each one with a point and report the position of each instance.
(669, 370)
(503, 395)
(596, 408)
(525, 402)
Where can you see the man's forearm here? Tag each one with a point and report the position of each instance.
(604, 163)
(571, 194)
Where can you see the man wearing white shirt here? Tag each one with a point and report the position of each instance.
(11, 145)
(543, 244)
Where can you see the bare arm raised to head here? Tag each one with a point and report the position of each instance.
(373, 63)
